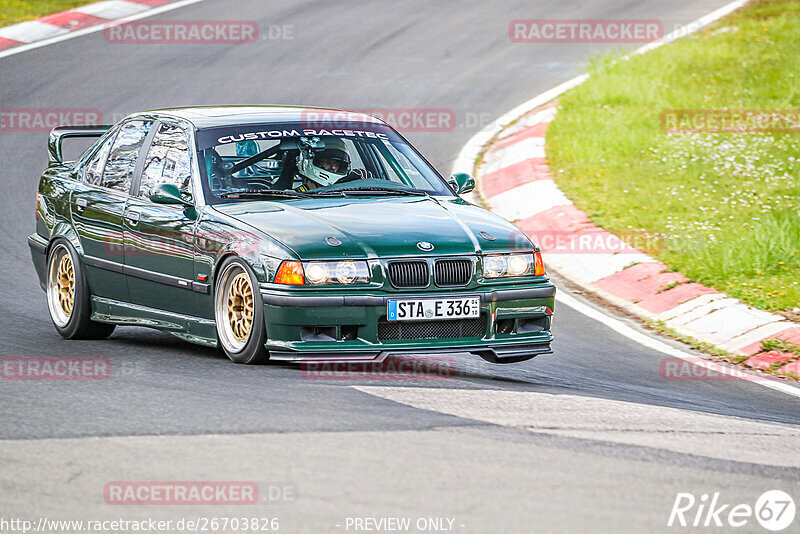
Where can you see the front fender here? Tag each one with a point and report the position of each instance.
(218, 237)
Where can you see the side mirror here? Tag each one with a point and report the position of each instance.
(462, 182)
(167, 194)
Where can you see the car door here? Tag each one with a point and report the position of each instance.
(98, 205)
(159, 238)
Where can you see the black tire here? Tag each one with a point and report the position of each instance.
(76, 322)
(240, 344)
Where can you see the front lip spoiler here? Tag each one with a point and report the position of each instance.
(504, 354)
(274, 298)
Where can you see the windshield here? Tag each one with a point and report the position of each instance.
(288, 161)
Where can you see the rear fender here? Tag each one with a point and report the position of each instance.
(65, 230)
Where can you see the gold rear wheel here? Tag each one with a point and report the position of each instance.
(61, 285)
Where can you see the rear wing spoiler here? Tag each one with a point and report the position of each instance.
(60, 133)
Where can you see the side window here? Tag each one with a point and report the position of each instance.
(355, 157)
(168, 161)
(121, 164)
(401, 160)
(96, 164)
(391, 174)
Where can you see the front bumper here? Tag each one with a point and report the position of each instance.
(348, 327)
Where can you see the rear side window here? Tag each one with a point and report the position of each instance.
(121, 164)
(168, 161)
(96, 164)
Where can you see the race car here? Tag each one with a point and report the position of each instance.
(282, 233)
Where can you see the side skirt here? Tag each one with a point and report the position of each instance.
(186, 327)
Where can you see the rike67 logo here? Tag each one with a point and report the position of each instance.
(774, 510)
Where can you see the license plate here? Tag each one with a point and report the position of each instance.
(433, 309)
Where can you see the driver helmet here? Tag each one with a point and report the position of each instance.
(323, 162)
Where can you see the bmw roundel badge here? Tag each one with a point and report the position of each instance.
(425, 246)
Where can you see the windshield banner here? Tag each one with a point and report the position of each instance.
(222, 136)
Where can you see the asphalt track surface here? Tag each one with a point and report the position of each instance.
(449, 448)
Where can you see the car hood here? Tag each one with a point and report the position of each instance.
(379, 227)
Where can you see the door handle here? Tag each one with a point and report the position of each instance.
(133, 217)
(81, 203)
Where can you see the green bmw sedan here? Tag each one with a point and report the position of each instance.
(284, 233)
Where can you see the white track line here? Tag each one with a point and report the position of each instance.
(98, 28)
(465, 162)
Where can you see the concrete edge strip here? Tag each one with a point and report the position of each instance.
(34, 34)
(734, 339)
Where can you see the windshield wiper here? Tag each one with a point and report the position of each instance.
(373, 190)
(290, 193)
(264, 193)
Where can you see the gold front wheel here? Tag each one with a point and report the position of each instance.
(234, 308)
(240, 307)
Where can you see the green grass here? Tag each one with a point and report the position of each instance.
(780, 345)
(14, 11)
(723, 208)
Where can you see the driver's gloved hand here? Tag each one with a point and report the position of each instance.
(357, 174)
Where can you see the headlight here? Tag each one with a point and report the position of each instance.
(347, 272)
(508, 265)
(518, 265)
(337, 272)
(494, 266)
(318, 273)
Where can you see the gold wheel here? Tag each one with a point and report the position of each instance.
(238, 313)
(65, 280)
(61, 285)
(240, 307)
